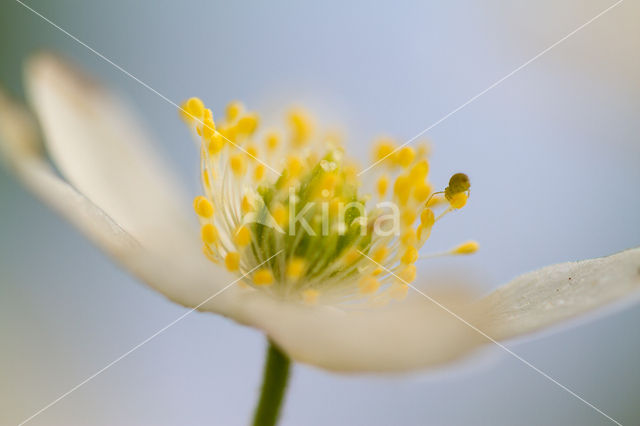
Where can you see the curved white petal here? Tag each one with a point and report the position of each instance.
(21, 149)
(413, 334)
(557, 293)
(97, 144)
(177, 268)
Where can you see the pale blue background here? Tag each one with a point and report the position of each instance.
(553, 154)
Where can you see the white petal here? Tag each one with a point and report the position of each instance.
(177, 269)
(413, 334)
(558, 293)
(21, 149)
(97, 144)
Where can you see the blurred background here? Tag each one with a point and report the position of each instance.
(553, 154)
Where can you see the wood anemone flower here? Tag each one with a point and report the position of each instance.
(334, 298)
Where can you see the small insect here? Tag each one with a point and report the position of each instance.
(457, 184)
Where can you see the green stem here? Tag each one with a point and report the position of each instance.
(274, 383)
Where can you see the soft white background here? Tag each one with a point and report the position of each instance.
(553, 153)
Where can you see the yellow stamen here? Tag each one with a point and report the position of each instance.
(380, 254)
(408, 274)
(419, 171)
(233, 110)
(410, 255)
(294, 166)
(404, 157)
(468, 247)
(382, 185)
(408, 217)
(272, 140)
(295, 268)
(237, 164)
(203, 207)
(383, 149)
(209, 233)
(458, 200)
(193, 109)
(263, 277)
(247, 124)
(232, 261)
(246, 204)
(279, 214)
(242, 237)
(301, 127)
(427, 218)
(421, 192)
(258, 173)
(368, 285)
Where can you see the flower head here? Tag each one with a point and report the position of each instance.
(288, 209)
(115, 190)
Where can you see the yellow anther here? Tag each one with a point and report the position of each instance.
(427, 218)
(398, 291)
(228, 133)
(247, 124)
(295, 268)
(402, 188)
(310, 296)
(246, 205)
(382, 185)
(379, 254)
(279, 214)
(404, 157)
(350, 172)
(423, 233)
(238, 165)
(194, 109)
(421, 192)
(233, 110)
(408, 274)
(209, 233)
(408, 217)
(468, 247)
(258, 173)
(458, 200)
(263, 277)
(208, 115)
(377, 271)
(242, 237)
(383, 150)
(301, 127)
(352, 256)
(203, 207)
(410, 255)
(368, 285)
(252, 152)
(294, 166)
(208, 128)
(327, 185)
(272, 141)
(216, 143)
(419, 171)
(232, 261)
(409, 238)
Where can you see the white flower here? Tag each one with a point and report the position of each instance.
(117, 192)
